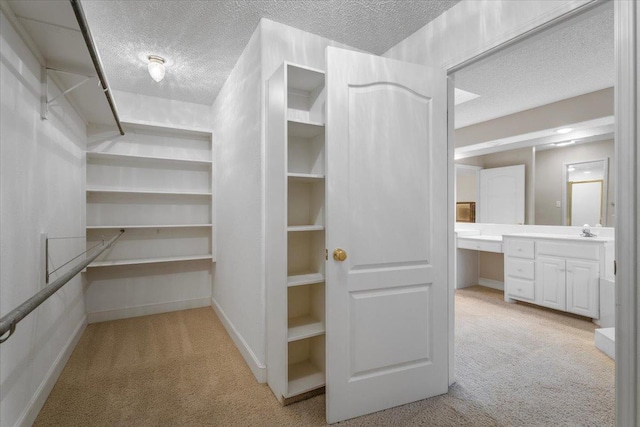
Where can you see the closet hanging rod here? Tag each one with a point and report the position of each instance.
(88, 39)
(8, 322)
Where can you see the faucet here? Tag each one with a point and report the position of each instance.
(586, 231)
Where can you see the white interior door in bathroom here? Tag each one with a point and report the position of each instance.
(502, 195)
(387, 310)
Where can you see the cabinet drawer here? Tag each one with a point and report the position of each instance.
(520, 248)
(479, 245)
(521, 268)
(569, 250)
(521, 289)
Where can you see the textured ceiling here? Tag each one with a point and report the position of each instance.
(203, 39)
(561, 63)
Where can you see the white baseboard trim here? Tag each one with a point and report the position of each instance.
(145, 310)
(489, 283)
(36, 403)
(605, 340)
(259, 370)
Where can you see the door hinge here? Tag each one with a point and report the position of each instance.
(615, 267)
(326, 254)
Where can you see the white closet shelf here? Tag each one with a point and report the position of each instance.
(305, 177)
(149, 260)
(304, 327)
(164, 127)
(304, 129)
(114, 156)
(303, 377)
(297, 228)
(305, 279)
(149, 192)
(109, 227)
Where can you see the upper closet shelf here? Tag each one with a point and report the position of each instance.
(149, 260)
(146, 159)
(149, 192)
(111, 227)
(164, 127)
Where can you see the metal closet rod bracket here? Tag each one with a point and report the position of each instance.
(44, 111)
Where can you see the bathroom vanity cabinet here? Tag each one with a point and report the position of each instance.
(559, 272)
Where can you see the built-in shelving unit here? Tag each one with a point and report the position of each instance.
(296, 281)
(155, 182)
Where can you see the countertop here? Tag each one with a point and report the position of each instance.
(577, 238)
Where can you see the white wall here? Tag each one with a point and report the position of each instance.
(42, 189)
(238, 279)
(239, 286)
(466, 185)
(590, 106)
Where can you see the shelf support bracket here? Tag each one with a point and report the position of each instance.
(45, 101)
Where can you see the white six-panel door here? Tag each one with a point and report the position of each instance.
(387, 312)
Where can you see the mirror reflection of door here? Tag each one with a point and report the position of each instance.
(585, 198)
(502, 195)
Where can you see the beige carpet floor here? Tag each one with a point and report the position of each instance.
(517, 365)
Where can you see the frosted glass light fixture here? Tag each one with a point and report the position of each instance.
(156, 67)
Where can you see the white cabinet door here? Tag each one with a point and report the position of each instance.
(583, 288)
(550, 282)
(387, 311)
(502, 195)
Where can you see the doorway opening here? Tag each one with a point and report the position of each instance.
(546, 105)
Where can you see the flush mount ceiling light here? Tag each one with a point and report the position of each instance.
(564, 130)
(562, 144)
(156, 67)
(571, 168)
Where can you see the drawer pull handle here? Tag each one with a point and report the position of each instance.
(520, 270)
(519, 249)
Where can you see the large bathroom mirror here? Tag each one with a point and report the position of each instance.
(541, 103)
(564, 184)
(585, 194)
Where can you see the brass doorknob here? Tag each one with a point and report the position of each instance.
(339, 255)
